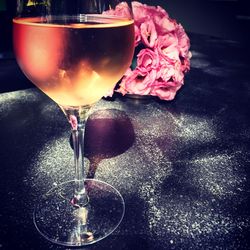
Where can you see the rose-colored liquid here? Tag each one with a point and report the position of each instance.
(75, 63)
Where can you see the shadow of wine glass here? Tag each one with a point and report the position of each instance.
(108, 133)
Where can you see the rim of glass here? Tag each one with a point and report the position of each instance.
(79, 17)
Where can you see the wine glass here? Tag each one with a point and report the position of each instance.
(75, 52)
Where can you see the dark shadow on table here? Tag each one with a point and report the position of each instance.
(108, 133)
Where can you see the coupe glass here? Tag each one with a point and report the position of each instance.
(75, 52)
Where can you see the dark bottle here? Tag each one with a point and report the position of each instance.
(7, 11)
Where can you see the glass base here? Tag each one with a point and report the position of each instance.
(62, 223)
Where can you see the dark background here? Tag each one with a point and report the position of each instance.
(226, 19)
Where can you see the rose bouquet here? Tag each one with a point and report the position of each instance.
(161, 55)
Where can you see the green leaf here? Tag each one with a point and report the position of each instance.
(134, 63)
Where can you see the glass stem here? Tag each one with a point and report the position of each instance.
(80, 195)
(77, 118)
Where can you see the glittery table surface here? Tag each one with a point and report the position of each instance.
(181, 166)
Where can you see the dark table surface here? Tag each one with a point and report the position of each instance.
(181, 166)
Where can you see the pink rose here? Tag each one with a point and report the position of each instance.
(183, 41)
(137, 35)
(185, 63)
(164, 25)
(165, 92)
(140, 12)
(166, 70)
(137, 82)
(121, 10)
(167, 46)
(148, 33)
(167, 40)
(163, 57)
(178, 74)
(171, 71)
(147, 60)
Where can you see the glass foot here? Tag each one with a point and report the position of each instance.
(62, 223)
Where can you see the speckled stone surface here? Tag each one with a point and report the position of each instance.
(181, 166)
